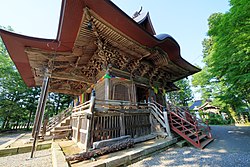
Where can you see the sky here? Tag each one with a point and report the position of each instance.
(184, 20)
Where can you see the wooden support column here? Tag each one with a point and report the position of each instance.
(90, 123)
(122, 125)
(40, 111)
(134, 100)
(107, 83)
(78, 129)
(165, 116)
(151, 122)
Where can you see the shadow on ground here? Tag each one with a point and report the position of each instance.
(231, 147)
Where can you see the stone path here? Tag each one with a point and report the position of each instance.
(230, 148)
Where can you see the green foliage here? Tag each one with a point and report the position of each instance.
(57, 102)
(226, 54)
(214, 119)
(182, 96)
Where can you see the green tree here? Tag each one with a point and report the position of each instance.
(11, 91)
(57, 102)
(183, 95)
(226, 54)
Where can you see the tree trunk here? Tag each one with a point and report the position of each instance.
(31, 111)
(29, 120)
(4, 122)
(7, 123)
(108, 149)
(17, 123)
(58, 103)
(234, 113)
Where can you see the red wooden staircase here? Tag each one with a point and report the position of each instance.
(190, 128)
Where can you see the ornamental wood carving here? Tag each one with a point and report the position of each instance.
(94, 48)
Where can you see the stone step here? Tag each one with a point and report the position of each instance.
(182, 143)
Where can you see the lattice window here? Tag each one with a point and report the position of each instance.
(121, 92)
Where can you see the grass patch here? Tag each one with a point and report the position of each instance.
(246, 124)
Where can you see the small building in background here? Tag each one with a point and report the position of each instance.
(208, 108)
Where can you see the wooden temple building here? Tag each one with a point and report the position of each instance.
(130, 67)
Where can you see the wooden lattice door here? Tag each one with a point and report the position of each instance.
(121, 92)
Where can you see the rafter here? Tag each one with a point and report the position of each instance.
(67, 76)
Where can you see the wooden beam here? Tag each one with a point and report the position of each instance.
(101, 151)
(46, 52)
(64, 91)
(70, 77)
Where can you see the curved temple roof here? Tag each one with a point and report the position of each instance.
(74, 16)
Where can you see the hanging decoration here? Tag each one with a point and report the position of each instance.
(155, 89)
(164, 91)
(81, 97)
(111, 77)
(107, 76)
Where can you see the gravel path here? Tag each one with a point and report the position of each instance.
(42, 159)
(5, 137)
(192, 157)
(230, 148)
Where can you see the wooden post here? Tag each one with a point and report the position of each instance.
(45, 122)
(90, 123)
(107, 83)
(40, 111)
(122, 124)
(78, 128)
(133, 90)
(165, 115)
(151, 122)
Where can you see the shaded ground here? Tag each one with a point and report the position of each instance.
(42, 159)
(231, 147)
(7, 136)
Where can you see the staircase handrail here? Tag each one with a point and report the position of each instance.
(55, 120)
(182, 122)
(157, 111)
(161, 116)
(177, 110)
(161, 107)
(190, 118)
(198, 122)
(203, 125)
(76, 108)
(114, 105)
